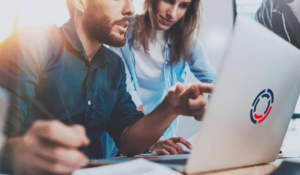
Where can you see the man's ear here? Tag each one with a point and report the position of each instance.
(79, 5)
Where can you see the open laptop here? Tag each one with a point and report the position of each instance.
(251, 106)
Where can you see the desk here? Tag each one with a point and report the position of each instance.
(290, 147)
(252, 170)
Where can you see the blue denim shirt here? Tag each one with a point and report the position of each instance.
(50, 65)
(173, 73)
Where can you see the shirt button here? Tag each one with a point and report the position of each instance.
(168, 79)
(89, 103)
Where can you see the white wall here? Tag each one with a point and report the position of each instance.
(217, 27)
(138, 5)
(7, 15)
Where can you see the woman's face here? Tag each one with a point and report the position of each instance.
(168, 12)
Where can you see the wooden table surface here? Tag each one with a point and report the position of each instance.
(263, 169)
(252, 170)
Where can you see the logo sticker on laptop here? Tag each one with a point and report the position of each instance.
(257, 117)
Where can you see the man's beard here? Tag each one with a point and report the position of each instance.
(99, 26)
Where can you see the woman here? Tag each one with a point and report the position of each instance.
(160, 43)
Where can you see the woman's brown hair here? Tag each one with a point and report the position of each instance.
(181, 33)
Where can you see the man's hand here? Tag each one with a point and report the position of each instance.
(190, 100)
(49, 147)
(170, 146)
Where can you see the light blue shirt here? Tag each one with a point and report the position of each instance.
(173, 73)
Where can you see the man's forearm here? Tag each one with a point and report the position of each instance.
(140, 136)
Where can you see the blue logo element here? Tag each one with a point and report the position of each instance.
(259, 118)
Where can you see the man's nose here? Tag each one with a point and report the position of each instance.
(128, 9)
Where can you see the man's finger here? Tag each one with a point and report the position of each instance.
(174, 96)
(69, 157)
(179, 88)
(47, 167)
(198, 114)
(183, 141)
(198, 103)
(82, 134)
(58, 133)
(195, 92)
(203, 87)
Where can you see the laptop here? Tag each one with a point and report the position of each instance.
(251, 107)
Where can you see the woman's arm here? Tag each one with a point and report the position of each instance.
(200, 66)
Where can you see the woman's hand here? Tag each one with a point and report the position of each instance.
(170, 146)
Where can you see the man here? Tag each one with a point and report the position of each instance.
(82, 83)
(282, 17)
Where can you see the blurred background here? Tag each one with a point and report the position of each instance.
(217, 22)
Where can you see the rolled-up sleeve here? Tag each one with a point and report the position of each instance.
(124, 113)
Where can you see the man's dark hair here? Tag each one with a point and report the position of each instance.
(70, 8)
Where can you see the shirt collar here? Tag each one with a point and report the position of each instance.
(71, 35)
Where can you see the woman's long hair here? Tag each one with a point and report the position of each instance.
(181, 33)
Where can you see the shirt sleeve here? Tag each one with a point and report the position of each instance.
(200, 66)
(19, 74)
(129, 82)
(124, 113)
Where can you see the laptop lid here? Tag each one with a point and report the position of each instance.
(252, 104)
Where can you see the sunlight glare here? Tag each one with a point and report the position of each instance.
(7, 16)
(42, 12)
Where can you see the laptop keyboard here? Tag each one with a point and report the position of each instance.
(176, 161)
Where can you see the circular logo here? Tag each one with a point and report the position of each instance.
(259, 118)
